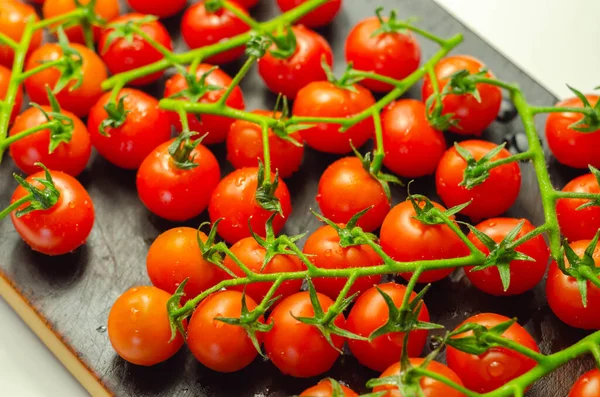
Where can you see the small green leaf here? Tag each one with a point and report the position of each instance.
(41, 199)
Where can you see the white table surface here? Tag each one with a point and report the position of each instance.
(553, 43)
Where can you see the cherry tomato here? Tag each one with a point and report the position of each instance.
(62, 228)
(247, 3)
(13, 18)
(321, 16)
(160, 8)
(394, 55)
(299, 349)
(498, 365)
(371, 312)
(473, 115)
(412, 147)
(219, 346)
(430, 387)
(4, 82)
(71, 157)
(346, 188)
(492, 197)
(234, 201)
(175, 256)
(287, 76)
(405, 239)
(325, 99)
(325, 389)
(217, 127)
(572, 148)
(324, 251)
(201, 28)
(76, 100)
(145, 127)
(588, 385)
(579, 224)
(139, 329)
(564, 297)
(104, 9)
(524, 275)
(245, 147)
(124, 54)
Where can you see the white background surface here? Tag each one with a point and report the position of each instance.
(552, 40)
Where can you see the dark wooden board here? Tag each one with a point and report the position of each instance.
(74, 293)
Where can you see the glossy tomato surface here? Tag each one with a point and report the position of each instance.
(160, 8)
(325, 389)
(579, 224)
(5, 75)
(321, 16)
(13, 18)
(588, 385)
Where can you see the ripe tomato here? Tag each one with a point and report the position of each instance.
(244, 147)
(71, 157)
(299, 349)
(524, 275)
(346, 188)
(252, 254)
(217, 127)
(564, 297)
(394, 55)
(78, 100)
(4, 83)
(105, 9)
(201, 28)
(498, 365)
(430, 387)
(138, 327)
(588, 385)
(412, 147)
(219, 346)
(405, 239)
(321, 16)
(579, 224)
(62, 228)
(234, 201)
(160, 8)
(123, 54)
(491, 198)
(371, 312)
(572, 148)
(324, 99)
(13, 18)
(473, 115)
(175, 256)
(145, 127)
(288, 76)
(325, 389)
(247, 3)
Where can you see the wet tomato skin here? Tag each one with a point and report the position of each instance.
(321, 16)
(160, 8)
(588, 385)
(579, 224)
(13, 19)
(324, 389)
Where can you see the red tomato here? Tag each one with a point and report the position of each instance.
(572, 148)
(121, 55)
(371, 312)
(104, 9)
(324, 251)
(491, 198)
(321, 16)
(473, 116)
(324, 99)
(245, 147)
(145, 127)
(13, 18)
(588, 385)
(234, 201)
(217, 127)
(564, 297)
(412, 147)
(524, 275)
(299, 349)
(394, 55)
(201, 28)
(160, 8)
(62, 228)
(579, 224)
(4, 83)
(219, 346)
(79, 100)
(70, 158)
(405, 239)
(247, 3)
(325, 389)
(252, 254)
(288, 76)
(498, 365)
(175, 256)
(430, 387)
(138, 327)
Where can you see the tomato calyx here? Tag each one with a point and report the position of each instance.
(70, 65)
(285, 42)
(213, 6)
(596, 202)
(125, 30)
(88, 20)
(477, 171)
(591, 118)
(273, 246)
(117, 116)
(281, 114)
(346, 82)
(480, 341)
(391, 24)
(196, 87)
(348, 234)
(38, 199)
(384, 179)
(210, 251)
(265, 191)
(181, 149)
(583, 269)
(176, 315)
(428, 214)
(61, 126)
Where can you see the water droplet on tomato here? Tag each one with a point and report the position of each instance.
(71, 204)
(495, 369)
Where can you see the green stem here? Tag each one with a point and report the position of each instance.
(576, 195)
(157, 46)
(380, 150)
(532, 234)
(266, 151)
(236, 80)
(589, 275)
(8, 210)
(257, 26)
(59, 19)
(12, 139)
(47, 65)
(515, 346)
(507, 160)
(336, 308)
(5, 40)
(424, 33)
(375, 76)
(553, 109)
(441, 378)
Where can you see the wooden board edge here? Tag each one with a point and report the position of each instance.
(40, 327)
